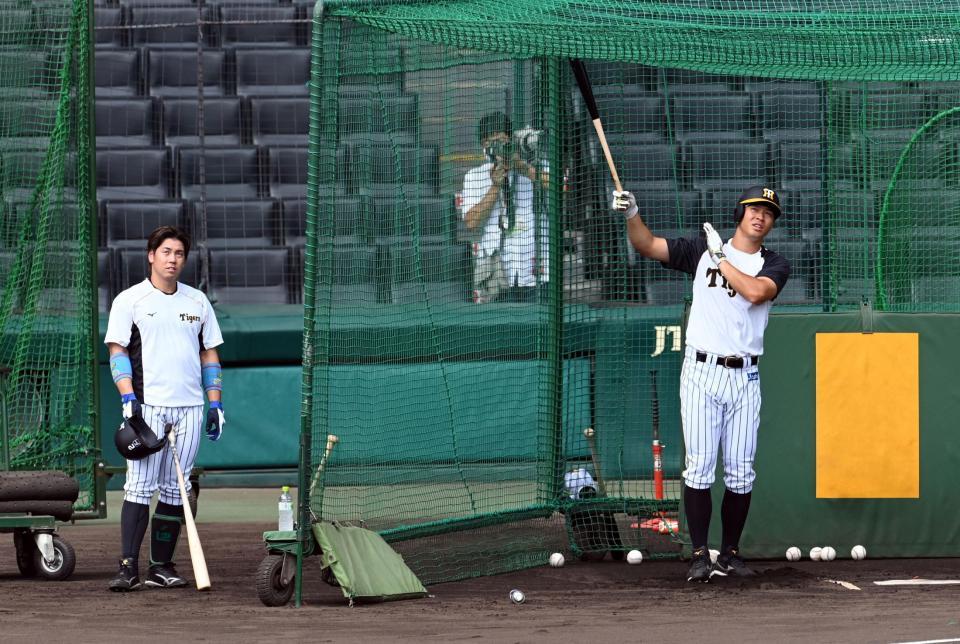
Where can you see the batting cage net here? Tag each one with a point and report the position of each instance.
(48, 252)
(500, 368)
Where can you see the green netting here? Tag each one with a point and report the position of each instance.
(47, 243)
(461, 420)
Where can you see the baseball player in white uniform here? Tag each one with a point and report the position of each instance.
(162, 337)
(734, 285)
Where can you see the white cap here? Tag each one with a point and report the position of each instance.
(576, 480)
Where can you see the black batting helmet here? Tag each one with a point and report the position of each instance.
(135, 440)
(757, 194)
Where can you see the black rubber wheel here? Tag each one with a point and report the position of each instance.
(64, 561)
(269, 587)
(23, 542)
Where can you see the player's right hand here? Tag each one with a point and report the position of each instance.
(497, 174)
(131, 406)
(625, 202)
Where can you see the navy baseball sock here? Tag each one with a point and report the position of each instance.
(133, 525)
(164, 532)
(698, 506)
(733, 512)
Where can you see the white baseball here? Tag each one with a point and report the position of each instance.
(793, 553)
(517, 596)
(827, 553)
(634, 557)
(815, 553)
(557, 560)
(858, 552)
(713, 556)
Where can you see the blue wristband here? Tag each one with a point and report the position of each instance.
(216, 404)
(212, 376)
(125, 398)
(120, 367)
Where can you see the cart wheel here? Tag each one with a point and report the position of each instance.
(64, 561)
(25, 551)
(269, 587)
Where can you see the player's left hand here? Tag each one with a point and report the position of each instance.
(714, 244)
(215, 420)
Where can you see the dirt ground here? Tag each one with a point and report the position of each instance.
(581, 602)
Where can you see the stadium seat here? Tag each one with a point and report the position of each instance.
(21, 171)
(648, 167)
(248, 276)
(675, 81)
(222, 121)
(158, 27)
(925, 168)
(712, 117)
(18, 21)
(110, 30)
(174, 73)
(351, 219)
(134, 267)
(288, 172)
(239, 224)
(630, 75)
(429, 219)
(636, 117)
(229, 173)
(659, 209)
(116, 73)
(779, 85)
(280, 121)
(790, 117)
(903, 109)
(435, 273)
(30, 75)
(105, 275)
(133, 174)
(148, 3)
(129, 223)
(360, 275)
(273, 72)
(802, 209)
(125, 123)
(799, 166)
(26, 124)
(395, 164)
(722, 165)
(259, 26)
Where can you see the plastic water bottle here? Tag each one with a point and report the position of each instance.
(285, 507)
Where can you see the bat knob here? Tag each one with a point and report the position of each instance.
(333, 438)
(589, 432)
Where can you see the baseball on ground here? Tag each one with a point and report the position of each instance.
(858, 552)
(634, 557)
(793, 553)
(815, 553)
(556, 560)
(827, 553)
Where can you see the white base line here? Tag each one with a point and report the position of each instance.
(930, 641)
(918, 582)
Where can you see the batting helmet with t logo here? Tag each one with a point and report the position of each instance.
(135, 440)
(757, 194)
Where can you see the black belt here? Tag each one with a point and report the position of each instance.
(731, 362)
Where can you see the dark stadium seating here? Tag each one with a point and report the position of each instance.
(33, 79)
(122, 123)
(357, 276)
(673, 81)
(636, 117)
(229, 173)
(429, 219)
(19, 174)
(790, 116)
(222, 119)
(109, 27)
(134, 174)
(248, 276)
(174, 73)
(659, 209)
(273, 72)
(26, 124)
(288, 172)
(239, 224)
(648, 167)
(436, 273)
(280, 121)
(129, 223)
(177, 26)
(117, 73)
(713, 117)
(799, 166)
(259, 26)
(105, 275)
(721, 165)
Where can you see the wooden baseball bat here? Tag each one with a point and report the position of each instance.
(586, 90)
(197, 559)
(331, 441)
(590, 435)
(656, 446)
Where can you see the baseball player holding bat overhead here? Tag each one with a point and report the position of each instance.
(162, 337)
(734, 284)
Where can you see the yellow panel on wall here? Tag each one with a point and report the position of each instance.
(868, 416)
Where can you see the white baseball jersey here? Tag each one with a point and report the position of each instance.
(522, 260)
(164, 335)
(720, 405)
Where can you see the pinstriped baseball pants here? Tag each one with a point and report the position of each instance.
(720, 408)
(158, 471)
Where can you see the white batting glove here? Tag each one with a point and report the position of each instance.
(714, 244)
(625, 202)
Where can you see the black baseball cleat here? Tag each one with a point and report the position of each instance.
(164, 576)
(700, 568)
(730, 563)
(126, 578)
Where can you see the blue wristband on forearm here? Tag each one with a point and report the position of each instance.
(120, 367)
(216, 404)
(212, 376)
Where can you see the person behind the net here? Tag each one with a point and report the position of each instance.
(734, 284)
(162, 336)
(498, 198)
